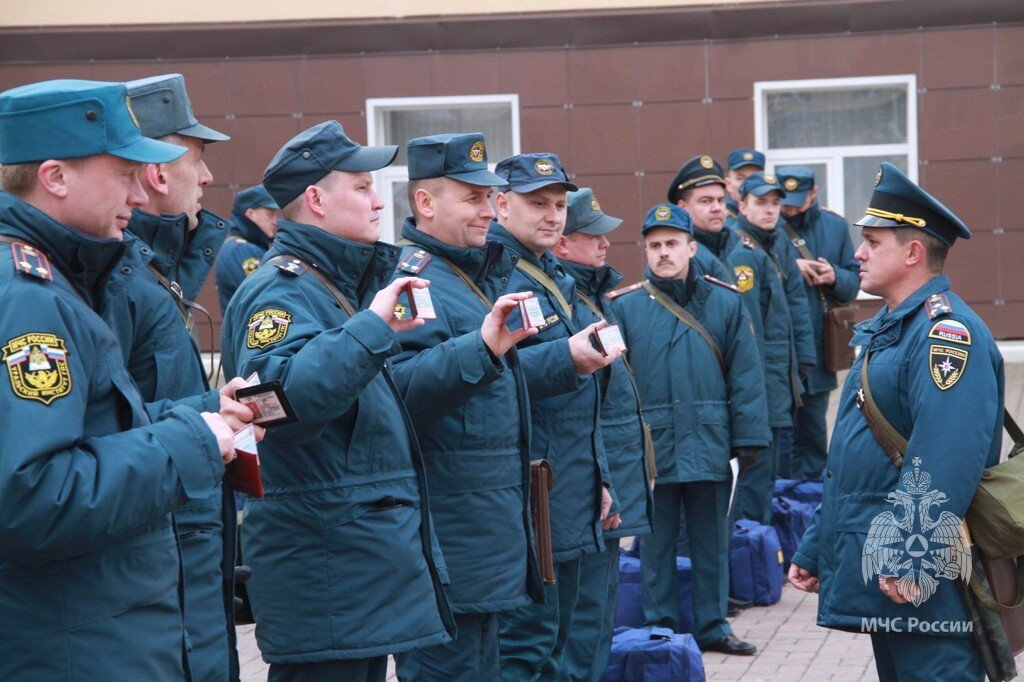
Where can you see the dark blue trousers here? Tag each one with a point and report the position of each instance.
(349, 670)
(593, 619)
(810, 443)
(471, 656)
(757, 484)
(706, 504)
(911, 657)
(532, 638)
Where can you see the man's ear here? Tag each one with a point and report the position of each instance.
(155, 178)
(313, 199)
(423, 203)
(52, 177)
(560, 248)
(501, 205)
(916, 253)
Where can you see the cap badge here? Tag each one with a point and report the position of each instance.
(476, 152)
(769, 178)
(707, 162)
(662, 213)
(544, 166)
(131, 112)
(791, 184)
(878, 176)
(594, 205)
(748, 156)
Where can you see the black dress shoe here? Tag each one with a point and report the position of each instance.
(739, 604)
(730, 645)
(732, 612)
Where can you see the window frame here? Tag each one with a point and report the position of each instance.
(385, 178)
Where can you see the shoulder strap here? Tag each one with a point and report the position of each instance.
(345, 304)
(891, 440)
(460, 273)
(799, 242)
(760, 246)
(185, 308)
(542, 278)
(687, 319)
(44, 261)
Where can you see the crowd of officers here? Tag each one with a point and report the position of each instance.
(396, 518)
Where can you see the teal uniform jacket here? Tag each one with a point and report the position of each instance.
(199, 252)
(698, 415)
(719, 245)
(777, 304)
(828, 236)
(163, 360)
(565, 408)
(88, 559)
(621, 426)
(472, 415)
(341, 546)
(239, 257)
(940, 382)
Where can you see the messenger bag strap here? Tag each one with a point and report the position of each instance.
(466, 279)
(687, 319)
(771, 259)
(345, 304)
(891, 440)
(542, 278)
(798, 242)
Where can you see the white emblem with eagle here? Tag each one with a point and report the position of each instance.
(914, 546)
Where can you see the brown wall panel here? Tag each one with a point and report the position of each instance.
(603, 138)
(828, 56)
(1010, 121)
(968, 188)
(730, 126)
(654, 189)
(1012, 248)
(256, 140)
(459, 74)
(957, 124)
(263, 87)
(885, 54)
(603, 76)
(973, 266)
(1010, 54)
(670, 73)
(733, 67)
(330, 85)
(958, 58)
(540, 77)
(398, 76)
(1011, 201)
(668, 133)
(546, 129)
(619, 196)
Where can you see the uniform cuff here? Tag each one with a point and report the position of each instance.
(367, 328)
(193, 450)
(804, 561)
(475, 360)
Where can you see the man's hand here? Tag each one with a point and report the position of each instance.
(608, 522)
(383, 304)
(802, 579)
(585, 358)
(747, 457)
(495, 334)
(890, 589)
(826, 273)
(222, 432)
(809, 270)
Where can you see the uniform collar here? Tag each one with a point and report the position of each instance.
(167, 236)
(593, 282)
(248, 230)
(478, 263)
(765, 238)
(885, 319)
(546, 262)
(357, 269)
(84, 260)
(713, 241)
(678, 290)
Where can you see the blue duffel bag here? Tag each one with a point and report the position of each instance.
(653, 655)
(790, 518)
(801, 491)
(755, 563)
(629, 607)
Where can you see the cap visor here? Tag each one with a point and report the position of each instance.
(761, 191)
(875, 221)
(602, 225)
(204, 133)
(366, 159)
(746, 164)
(534, 186)
(794, 198)
(145, 150)
(484, 178)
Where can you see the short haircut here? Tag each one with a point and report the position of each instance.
(291, 210)
(433, 185)
(19, 178)
(935, 251)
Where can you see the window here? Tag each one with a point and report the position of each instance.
(843, 128)
(396, 121)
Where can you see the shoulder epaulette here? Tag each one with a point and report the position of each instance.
(414, 260)
(749, 243)
(292, 267)
(937, 305)
(238, 240)
(715, 280)
(624, 290)
(28, 260)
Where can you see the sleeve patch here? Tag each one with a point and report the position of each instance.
(249, 265)
(38, 367)
(947, 365)
(744, 277)
(951, 331)
(267, 327)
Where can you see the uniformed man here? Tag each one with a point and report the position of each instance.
(88, 557)
(345, 491)
(466, 393)
(741, 162)
(775, 298)
(559, 363)
(154, 321)
(699, 376)
(583, 252)
(821, 246)
(928, 366)
(699, 189)
(253, 226)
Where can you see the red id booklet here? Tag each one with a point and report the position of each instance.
(244, 472)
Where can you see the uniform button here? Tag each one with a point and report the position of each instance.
(305, 155)
(90, 115)
(207, 251)
(167, 99)
(828, 474)
(144, 250)
(126, 270)
(220, 224)
(504, 280)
